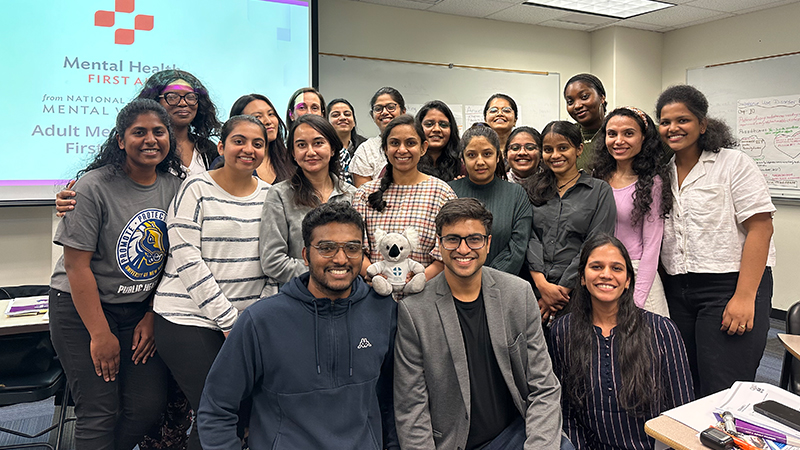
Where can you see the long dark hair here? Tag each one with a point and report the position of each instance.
(375, 199)
(542, 186)
(483, 130)
(717, 136)
(205, 124)
(648, 163)
(304, 192)
(279, 157)
(635, 357)
(448, 166)
(355, 138)
(290, 120)
(111, 154)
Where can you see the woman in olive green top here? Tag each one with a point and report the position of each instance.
(586, 104)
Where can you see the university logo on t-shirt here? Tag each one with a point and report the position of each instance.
(142, 247)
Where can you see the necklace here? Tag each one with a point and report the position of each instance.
(568, 182)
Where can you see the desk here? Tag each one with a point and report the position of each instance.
(24, 324)
(673, 433)
(791, 342)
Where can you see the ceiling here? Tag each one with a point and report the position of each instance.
(686, 12)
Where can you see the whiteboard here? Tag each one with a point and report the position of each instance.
(465, 90)
(760, 101)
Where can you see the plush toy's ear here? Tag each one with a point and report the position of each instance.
(413, 237)
(379, 234)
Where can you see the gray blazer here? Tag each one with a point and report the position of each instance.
(431, 379)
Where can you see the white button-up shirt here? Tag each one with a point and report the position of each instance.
(704, 231)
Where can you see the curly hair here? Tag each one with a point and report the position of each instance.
(205, 124)
(647, 164)
(718, 134)
(543, 185)
(111, 154)
(640, 393)
(375, 200)
(448, 166)
(304, 192)
(279, 157)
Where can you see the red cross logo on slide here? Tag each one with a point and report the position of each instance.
(123, 36)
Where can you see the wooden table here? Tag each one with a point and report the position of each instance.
(24, 324)
(673, 433)
(791, 342)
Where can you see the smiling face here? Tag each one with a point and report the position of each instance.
(606, 274)
(332, 277)
(437, 135)
(244, 148)
(404, 148)
(307, 103)
(310, 149)
(680, 129)
(624, 138)
(145, 142)
(341, 117)
(500, 116)
(584, 105)
(385, 116)
(182, 114)
(523, 154)
(464, 263)
(480, 159)
(266, 115)
(560, 155)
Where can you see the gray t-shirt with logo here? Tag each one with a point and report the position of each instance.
(124, 224)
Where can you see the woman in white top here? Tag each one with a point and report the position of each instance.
(717, 248)
(369, 159)
(213, 271)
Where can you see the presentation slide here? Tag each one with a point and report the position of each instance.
(70, 66)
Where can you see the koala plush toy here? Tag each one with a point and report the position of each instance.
(396, 265)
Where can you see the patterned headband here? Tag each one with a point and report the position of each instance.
(639, 113)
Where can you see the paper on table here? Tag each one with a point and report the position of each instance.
(744, 394)
(698, 414)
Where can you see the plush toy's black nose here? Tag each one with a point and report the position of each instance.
(394, 251)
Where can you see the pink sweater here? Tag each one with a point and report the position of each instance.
(643, 241)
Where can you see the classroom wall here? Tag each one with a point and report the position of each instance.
(763, 33)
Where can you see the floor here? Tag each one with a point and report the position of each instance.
(32, 417)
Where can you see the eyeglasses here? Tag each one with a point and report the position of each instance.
(453, 241)
(504, 110)
(173, 99)
(305, 107)
(390, 107)
(328, 249)
(527, 147)
(443, 124)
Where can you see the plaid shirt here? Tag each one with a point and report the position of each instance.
(406, 206)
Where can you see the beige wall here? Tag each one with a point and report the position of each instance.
(764, 33)
(25, 236)
(364, 29)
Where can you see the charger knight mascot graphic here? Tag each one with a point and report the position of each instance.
(143, 245)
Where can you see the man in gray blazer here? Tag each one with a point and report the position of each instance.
(471, 364)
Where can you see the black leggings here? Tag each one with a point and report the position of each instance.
(115, 414)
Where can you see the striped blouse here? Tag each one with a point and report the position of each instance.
(602, 424)
(213, 270)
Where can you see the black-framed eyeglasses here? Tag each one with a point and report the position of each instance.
(527, 147)
(504, 110)
(173, 98)
(453, 241)
(391, 107)
(443, 124)
(328, 249)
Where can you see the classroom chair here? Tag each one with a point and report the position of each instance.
(30, 372)
(790, 371)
